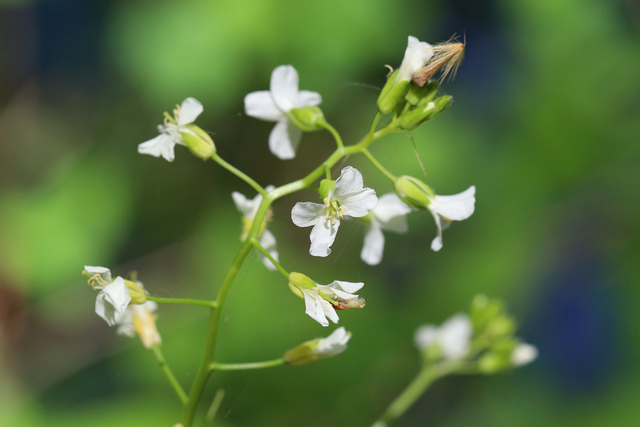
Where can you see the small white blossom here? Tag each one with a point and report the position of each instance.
(456, 207)
(452, 338)
(341, 294)
(140, 319)
(389, 214)
(170, 131)
(416, 56)
(112, 301)
(275, 104)
(524, 354)
(332, 345)
(350, 198)
(249, 208)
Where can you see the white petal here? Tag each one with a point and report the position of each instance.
(261, 106)
(436, 243)
(189, 111)
(269, 243)
(455, 336)
(313, 307)
(334, 344)
(416, 56)
(524, 354)
(112, 301)
(349, 287)
(284, 87)
(284, 140)
(390, 206)
(103, 271)
(322, 237)
(329, 311)
(306, 214)
(308, 99)
(373, 245)
(350, 180)
(456, 207)
(358, 203)
(161, 145)
(426, 336)
(241, 202)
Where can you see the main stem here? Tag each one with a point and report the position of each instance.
(214, 320)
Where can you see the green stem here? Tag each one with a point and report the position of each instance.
(266, 253)
(374, 124)
(428, 374)
(203, 303)
(203, 373)
(215, 405)
(237, 172)
(334, 133)
(377, 164)
(169, 374)
(215, 366)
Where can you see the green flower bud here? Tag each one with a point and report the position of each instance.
(413, 192)
(301, 281)
(302, 354)
(309, 119)
(198, 141)
(392, 93)
(417, 116)
(418, 95)
(319, 348)
(136, 292)
(498, 358)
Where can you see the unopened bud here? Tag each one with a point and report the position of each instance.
(420, 95)
(392, 93)
(498, 358)
(198, 141)
(301, 281)
(417, 116)
(309, 119)
(413, 192)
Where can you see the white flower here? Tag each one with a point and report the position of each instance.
(249, 208)
(524, 354)
(389, 214)
(112, 301)
(451, 208)
(170, 132)
(452, 338)
(141, 320)
(332, 345)
(275, 104)
(341, 295)
(416, 56)
(349, 198)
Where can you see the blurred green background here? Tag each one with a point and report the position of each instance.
(545, 123)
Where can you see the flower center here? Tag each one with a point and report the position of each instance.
(334, 211)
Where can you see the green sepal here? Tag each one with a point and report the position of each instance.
(198, 141)
(390, 97)
(327, 186)
(413, 192)
(418, 95)
(309, 119)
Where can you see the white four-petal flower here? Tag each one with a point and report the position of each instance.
(416, 56)
(389, 214)
(451, 208)
(453, 338)
(275, 104)
(350, 198)
(163, 144)
(342, 293)
(249, 208)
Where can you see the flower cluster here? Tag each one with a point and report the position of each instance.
(485, 338)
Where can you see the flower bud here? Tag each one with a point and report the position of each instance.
(419, 95)
(413, 192)
(523, 354)
(498, 358)
(309, 119)
(417, 116)
(198, 141)
(136, 292)
(301, 281)
(392, 93)
(484, 311)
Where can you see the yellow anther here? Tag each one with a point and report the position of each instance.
(334, 221)
(328, 217)
(327, 202)
(341, 212)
